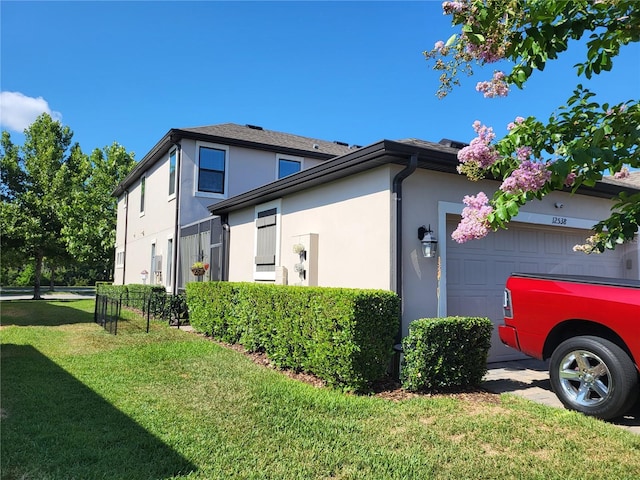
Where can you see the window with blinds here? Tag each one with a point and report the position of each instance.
(267, 238)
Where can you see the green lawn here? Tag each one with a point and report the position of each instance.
(78, 403)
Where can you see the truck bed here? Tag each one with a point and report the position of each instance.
(614, 282)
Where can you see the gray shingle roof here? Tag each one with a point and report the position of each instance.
(240, 135)
(258, 135)
(633, 180)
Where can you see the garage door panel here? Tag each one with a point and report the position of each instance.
(554, 244)
(526, 267)
(502, 270)
(478, 270)
(454, 272)
(467, 305)
(527, 243)
(505, 243)
(475, 272)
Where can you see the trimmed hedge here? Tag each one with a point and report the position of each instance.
(343, 336)
(112, 291)
(445, 352)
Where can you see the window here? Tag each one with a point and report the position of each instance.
(120, 259)
(169, 260)
(267, 239)
(211, 169)
(288, 166)
(172, 173)
(143, 181)
(153, 262)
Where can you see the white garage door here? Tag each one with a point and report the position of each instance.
(477, 270)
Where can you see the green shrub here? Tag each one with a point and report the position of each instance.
(132, 295)
(445, 352)
(211, 306)
(343, 336)
(138, 294)
(112, 291)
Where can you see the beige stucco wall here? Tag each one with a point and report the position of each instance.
(153, 226)
(354, 220)
(351, 221)
(246, 169)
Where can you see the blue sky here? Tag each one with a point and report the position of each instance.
(346, 71)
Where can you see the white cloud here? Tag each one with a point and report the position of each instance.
(17, 111)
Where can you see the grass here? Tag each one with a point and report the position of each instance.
(78, 403)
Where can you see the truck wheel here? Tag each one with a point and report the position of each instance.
(593, 376)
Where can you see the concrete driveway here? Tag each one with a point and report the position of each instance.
(530, 379)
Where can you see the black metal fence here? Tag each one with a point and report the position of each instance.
(107, 312)
(152, 305)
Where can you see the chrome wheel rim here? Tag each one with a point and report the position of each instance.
(585, 378)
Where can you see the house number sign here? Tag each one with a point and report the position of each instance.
(558, 221)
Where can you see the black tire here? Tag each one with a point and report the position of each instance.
(593, 376)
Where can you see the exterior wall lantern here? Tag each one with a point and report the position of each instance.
(428, 242)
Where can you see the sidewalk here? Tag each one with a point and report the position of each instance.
(530, 379)
(61, 293)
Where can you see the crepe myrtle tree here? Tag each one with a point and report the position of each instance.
(579, 143)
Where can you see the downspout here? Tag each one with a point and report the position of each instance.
(176, 231)
(226, 236)
(397, 195)
(126, 228)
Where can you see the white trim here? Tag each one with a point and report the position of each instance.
(119, 251)
(280, 156)
(143, 178)
(172, 196)
(277, 204)
(198, 193)
(450, 208)
(169, 258)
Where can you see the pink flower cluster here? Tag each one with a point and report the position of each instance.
(479, 154)
(570, 180)
(516, 122)
(485, 52)
(612, 111)
(528, 177)
(453, 7)
(622, 174)
(523, 153)
(475, 223)
(497, 87)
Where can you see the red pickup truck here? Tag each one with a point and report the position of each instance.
(589, 328)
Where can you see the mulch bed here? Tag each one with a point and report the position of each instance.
(386, 388)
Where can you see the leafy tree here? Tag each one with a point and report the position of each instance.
(56, 201)
(34, 191)
(91, 213)
(581, 142)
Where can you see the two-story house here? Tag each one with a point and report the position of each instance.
(164, 225)
(262, 206)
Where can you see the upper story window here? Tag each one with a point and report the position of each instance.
(288, 166)
(172, 173)
(212, 168)
(143, 181)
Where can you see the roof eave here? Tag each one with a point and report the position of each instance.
(174, 135)
(170, 138)
(442, 159)
(254, 145)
